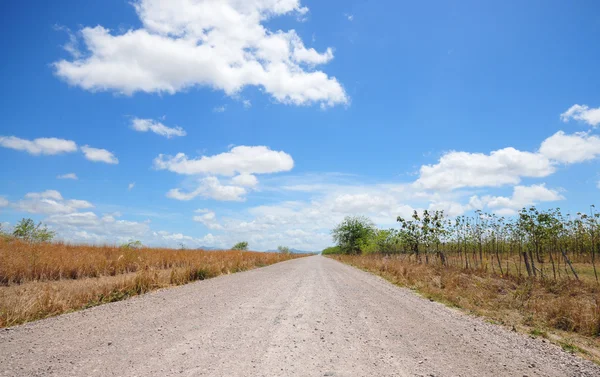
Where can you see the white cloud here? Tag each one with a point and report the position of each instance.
(350, 17)
(522, 196)
(208, 218)
(40, 146)
(211, 188)
(90, 228)
(67, 176)
(240, 159)
(571, 149)
(507, 166)
(99, 155)
(145, 125)
(245, 180)
(220, 109)
(450, 208)
(3, 202)
(131, 186)
(247, 104)
(463, 169)
(582, 113)
(363, 202)
(49, 202)
(223, 45)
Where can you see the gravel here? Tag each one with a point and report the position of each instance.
(306, 317)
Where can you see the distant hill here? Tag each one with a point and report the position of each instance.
(208, 248)
(295, 251)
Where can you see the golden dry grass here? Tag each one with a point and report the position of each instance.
(569, 309)
(47, 279)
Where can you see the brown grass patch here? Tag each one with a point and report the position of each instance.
(47, 279)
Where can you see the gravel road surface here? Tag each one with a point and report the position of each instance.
(306, 317)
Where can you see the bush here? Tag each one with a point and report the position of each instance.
(240, 246)
(132, 244)
(284, 249)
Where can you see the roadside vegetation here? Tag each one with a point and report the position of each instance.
(39, 278)
(536, 272)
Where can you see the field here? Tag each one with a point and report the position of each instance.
(39, 280)
(566, 310)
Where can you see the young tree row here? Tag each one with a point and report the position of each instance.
(536, 243)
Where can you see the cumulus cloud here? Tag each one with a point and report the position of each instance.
(211, 188)
(223, 45)
(145, 125)
(463, 169)
(99, 155)
(507, 166)
(68, 176)
(241, 162)
(245, 180)
(208, 218)
(240, 159)
(570, 149)
(522, 196)
(50, 202)
(40, 146)
(582, 113)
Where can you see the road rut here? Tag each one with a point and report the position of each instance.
(306, 317)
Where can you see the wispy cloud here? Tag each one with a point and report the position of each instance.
(68, 176)
(99, 155)
(145, 125)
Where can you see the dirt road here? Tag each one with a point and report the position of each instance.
(307, 317)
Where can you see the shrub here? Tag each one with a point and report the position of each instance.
(284, 249)
(240, 246)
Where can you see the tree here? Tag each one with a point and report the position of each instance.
(132, 244)
(423, 232)
(284, 249)
(353, 234)
(331, 250)
(240, 246)
(26, 229)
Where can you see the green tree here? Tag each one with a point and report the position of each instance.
(26, 229)
(353, 234)
(284, 249)
(240, 246)
(331, 250)
(424, 232)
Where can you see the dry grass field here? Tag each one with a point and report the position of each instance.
(38, 280)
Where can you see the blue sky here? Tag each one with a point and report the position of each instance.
(210, 122)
